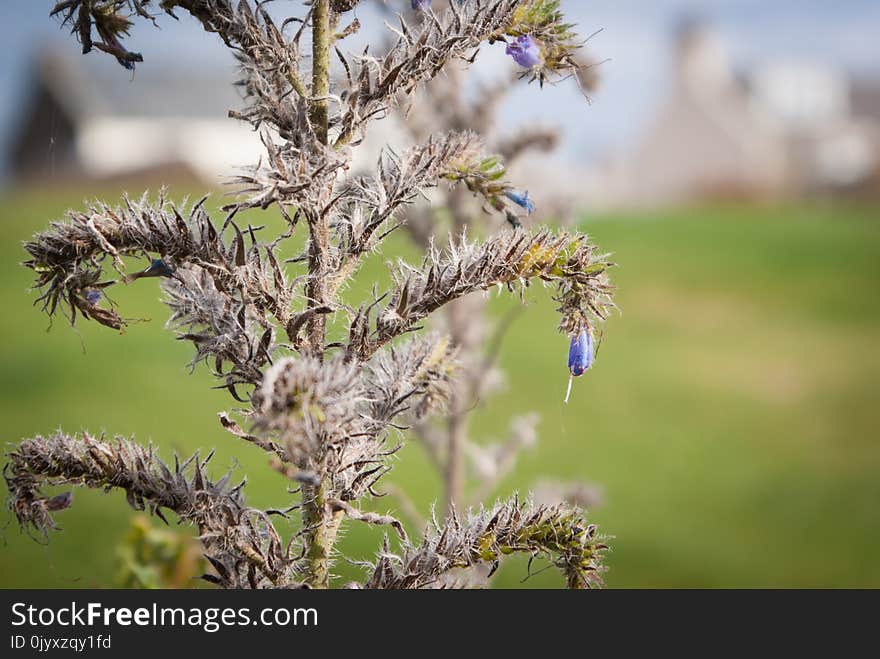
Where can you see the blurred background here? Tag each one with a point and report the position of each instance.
(730, 161)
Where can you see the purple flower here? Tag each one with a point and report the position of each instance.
(580, 357)
(580, 353)
(158, 268)
(60, 501)
(420, 5)
(521, 199)
(93, 295)
(112, 45)
(525, 51)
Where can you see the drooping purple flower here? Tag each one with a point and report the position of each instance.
(112, 45)
(521, 199)
(580, 353)
(59, 501)
(580, 356)
(525, 51)
(420, 5)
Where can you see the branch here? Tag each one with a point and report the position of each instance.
(320, 67)
(370, 203)
(423, 50)
(107, 20)
(223, 295)
(234, 429)
(406, 505)
(236, 27)
(556, 532)
(368, 518)
(399, 182)
(508, 259)
(412, 378)
(419, 55)
(239, 541)
(332, 416)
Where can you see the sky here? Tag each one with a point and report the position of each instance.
(635, 39)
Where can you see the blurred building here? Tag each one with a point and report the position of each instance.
(85, 117)
(780, 130)
(784, 129)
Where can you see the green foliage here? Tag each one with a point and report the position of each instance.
(156, 557)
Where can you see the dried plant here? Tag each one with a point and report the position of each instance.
(328, 414)
(471, 471)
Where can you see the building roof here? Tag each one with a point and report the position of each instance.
(82, 108)
(92, 86)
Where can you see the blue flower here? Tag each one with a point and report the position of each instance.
(580, 357)
(580, 353)
(521, 199)
(420, 5)
(60, 501)
(92, 295)
(112, 45)
(158, 268)
(525, 51)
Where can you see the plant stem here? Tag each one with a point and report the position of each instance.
(316, 289)
(320, 67)
(574, 580)
(453, 476)
(460, 319)
(320, 524)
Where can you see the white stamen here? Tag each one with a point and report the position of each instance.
(568, 393)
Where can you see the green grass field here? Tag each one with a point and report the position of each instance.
(732, 416)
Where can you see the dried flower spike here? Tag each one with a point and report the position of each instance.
(331, 414)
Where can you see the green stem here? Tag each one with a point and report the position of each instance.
(320, 524)
(316, 289)
(574, 580)
(320, 67)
